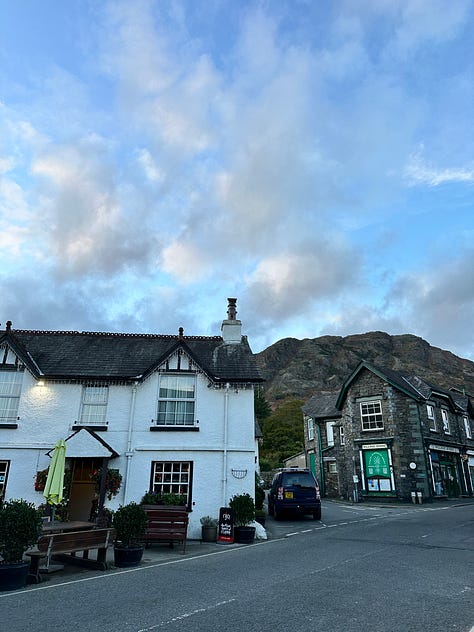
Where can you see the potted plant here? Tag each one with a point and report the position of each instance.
(243, 507)
(209, 529)
(151, 499)
(20, 528)
(130, 522)
(173, 500)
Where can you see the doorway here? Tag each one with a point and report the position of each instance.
(83, 496)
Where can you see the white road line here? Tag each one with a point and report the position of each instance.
(186, 615)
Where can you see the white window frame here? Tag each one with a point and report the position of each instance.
(10, 392)
(172, 477)
(467, 426)
(430, 411)
(371, 415)
(4, 467)
(341, 435)
(330, 433)
(94, 405)
(176, 402)
(445, 418)
(332, 467)
(310, 429)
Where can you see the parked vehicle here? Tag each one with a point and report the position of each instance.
(294, 490)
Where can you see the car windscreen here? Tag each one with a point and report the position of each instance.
(297, 479)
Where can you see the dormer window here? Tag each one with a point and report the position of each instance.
(176, 400)
(445, 418)
(10, 391)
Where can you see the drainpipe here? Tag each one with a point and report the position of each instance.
(129, 452)
(321, 467)
(224, 466)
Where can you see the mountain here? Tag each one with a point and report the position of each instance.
(300, 368)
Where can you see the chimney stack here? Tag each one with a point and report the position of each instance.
(231, 328)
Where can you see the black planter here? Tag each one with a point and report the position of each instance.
(13, 576)
(208, 533)
(244, 535)
(128, 556)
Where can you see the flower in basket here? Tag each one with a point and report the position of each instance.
(113, 480)
(40, 479)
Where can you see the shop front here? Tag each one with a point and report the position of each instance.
(445, 471)
(377, 470)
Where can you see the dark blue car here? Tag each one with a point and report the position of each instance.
(294, 490)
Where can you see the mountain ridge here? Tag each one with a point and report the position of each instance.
(295, 368)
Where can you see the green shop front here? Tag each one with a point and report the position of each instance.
(377, 470)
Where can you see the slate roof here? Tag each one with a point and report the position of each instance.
(99, 355)
(322, 406)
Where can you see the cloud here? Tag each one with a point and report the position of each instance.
(418, 171)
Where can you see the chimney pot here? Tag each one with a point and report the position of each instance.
(231, 309)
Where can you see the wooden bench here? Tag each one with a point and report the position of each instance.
(167, 525)
(64, 547)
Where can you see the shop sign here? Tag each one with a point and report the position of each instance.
(444, 448)
(225, 531)
(374, 446)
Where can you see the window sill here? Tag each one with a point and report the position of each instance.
(8, 425)
(174, 428)
(90, 427)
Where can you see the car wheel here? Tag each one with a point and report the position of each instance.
(317, 514)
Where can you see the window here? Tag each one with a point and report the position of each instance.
(341, 435)
(310, 429)
(332, 467)
(172, 477)
(330, 433)
(371, 415)
(94, 405)
(10, 390)
(445, 418)
(467, 427)
(176, 400)
(3, 477)
(431, 416)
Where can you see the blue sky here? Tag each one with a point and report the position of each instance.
(313, 159)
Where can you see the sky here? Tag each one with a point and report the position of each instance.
(312, 158)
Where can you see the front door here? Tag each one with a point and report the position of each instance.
(83, 497)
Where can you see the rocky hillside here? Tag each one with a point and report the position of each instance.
(300, 368)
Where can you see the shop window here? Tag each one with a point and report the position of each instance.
(10, 391)
(176, 400)
(172, 477)
(371, 415)
(310, 429)
(445, 419)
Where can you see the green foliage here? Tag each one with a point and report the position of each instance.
(20, 528)
(261, 406)
(243, 507)
(283, 434)
(130, 522)
(209, 521)
(259, 493)
(173, 499)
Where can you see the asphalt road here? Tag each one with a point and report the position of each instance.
(359, 569)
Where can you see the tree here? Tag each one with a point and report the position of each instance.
(283, 433)
(261, 406)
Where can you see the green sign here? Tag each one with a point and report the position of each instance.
(376, 463)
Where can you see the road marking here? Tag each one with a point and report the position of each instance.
(186, 615)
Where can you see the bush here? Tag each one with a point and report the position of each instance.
(208, 521)
(130, 522)
(20, 528)
(243, 507)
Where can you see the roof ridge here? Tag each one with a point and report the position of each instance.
(112, 334)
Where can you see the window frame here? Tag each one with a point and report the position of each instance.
(4, 470)
(467, 426)
(367, 424)
(10, 394)
(430, 412)
(330, 433)
(310, 426)
(342, 440)
(179, 485)
(171, 416)
(91, 418)
(445, 420)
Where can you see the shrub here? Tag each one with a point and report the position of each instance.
(130, 522)
(20, 528)
(243, 507)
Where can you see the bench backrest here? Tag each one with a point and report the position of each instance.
(76, 540)
(175, 519)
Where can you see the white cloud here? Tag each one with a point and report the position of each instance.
(418, 171)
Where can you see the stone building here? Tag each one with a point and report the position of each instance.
(389, 435)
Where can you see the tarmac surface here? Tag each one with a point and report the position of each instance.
(163, 553)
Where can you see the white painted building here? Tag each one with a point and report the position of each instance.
(171, 413)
